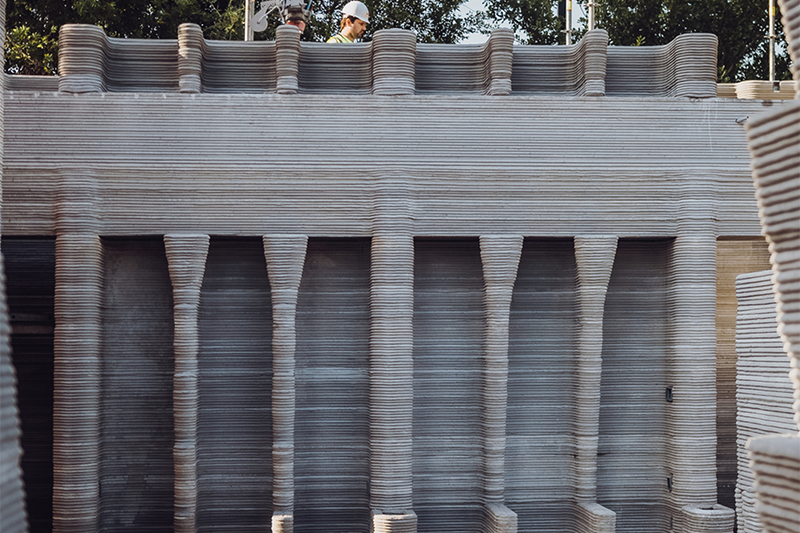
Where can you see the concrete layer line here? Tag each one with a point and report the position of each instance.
(500, 255)
(77, 345)
(186, 256)
(285, 256)
(391, 348)
(594, 255)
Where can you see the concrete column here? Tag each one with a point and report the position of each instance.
(190, 58)
(691, 369)
(285, 255)
(287, 52)
(394, 54)
(594, 255)
(81, 58)
(391, 365)
(77, 343)
(500, 256)
(186, 256)
(501, 53)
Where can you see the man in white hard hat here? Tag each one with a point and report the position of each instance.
(355, 17)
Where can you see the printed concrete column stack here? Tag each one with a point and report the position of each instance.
(594, 256)
(190, 58)
(287, 41)
(501, 53)
(391, 364)
(695, 63)
(691, 415)
(595, 59)
(81, 58)
(500, 258)
(186, 256)
(285, 256)
(76, 383)
(394, 54)
(774, 142)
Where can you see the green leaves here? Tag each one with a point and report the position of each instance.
(31, 52)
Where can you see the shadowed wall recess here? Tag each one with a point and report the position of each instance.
(136, 476)
(332, 379)
(234, 429)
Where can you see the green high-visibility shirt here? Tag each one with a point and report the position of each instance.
(339, 38)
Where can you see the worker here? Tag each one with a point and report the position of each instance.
(300, 24)
(355, 17)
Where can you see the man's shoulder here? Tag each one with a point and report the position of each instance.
(339, 38)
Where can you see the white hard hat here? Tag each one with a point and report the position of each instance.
(356, 9)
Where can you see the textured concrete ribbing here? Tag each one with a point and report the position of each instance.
(757, 89)
(500, 259)
(500, 256)
(774, 142)
(392, 64)
(578, 70)
(186, 255)
(763, 387)
(595, 258)
(285, 256)
(687, 67)
(691, 456)
(391, 344)
(76, 397)
(775, 460)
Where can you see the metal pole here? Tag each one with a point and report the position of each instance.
(248, 16)
(775, 85)
(591, 5)
(569, 22)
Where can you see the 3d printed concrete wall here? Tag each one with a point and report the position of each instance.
(774, 141)
(439, 320)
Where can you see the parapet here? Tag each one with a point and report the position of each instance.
(687, 67)
(392, 64)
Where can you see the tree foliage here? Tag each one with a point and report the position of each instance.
(533, 21)
(740, 25)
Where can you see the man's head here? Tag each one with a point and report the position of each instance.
(355, 17)
(301, 25)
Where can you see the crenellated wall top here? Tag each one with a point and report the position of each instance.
(392, 64)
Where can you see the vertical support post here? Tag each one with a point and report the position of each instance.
(595, 259)
(394, 54)
(186, 257)
(190, 58)
(285, 256)
(391, 358)
(248, 20)
(691, 416)
(772, 36)
(590, 23)
(287, 51)
(76, 394)
(594, 256)
(569, 23)
(500, 256)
